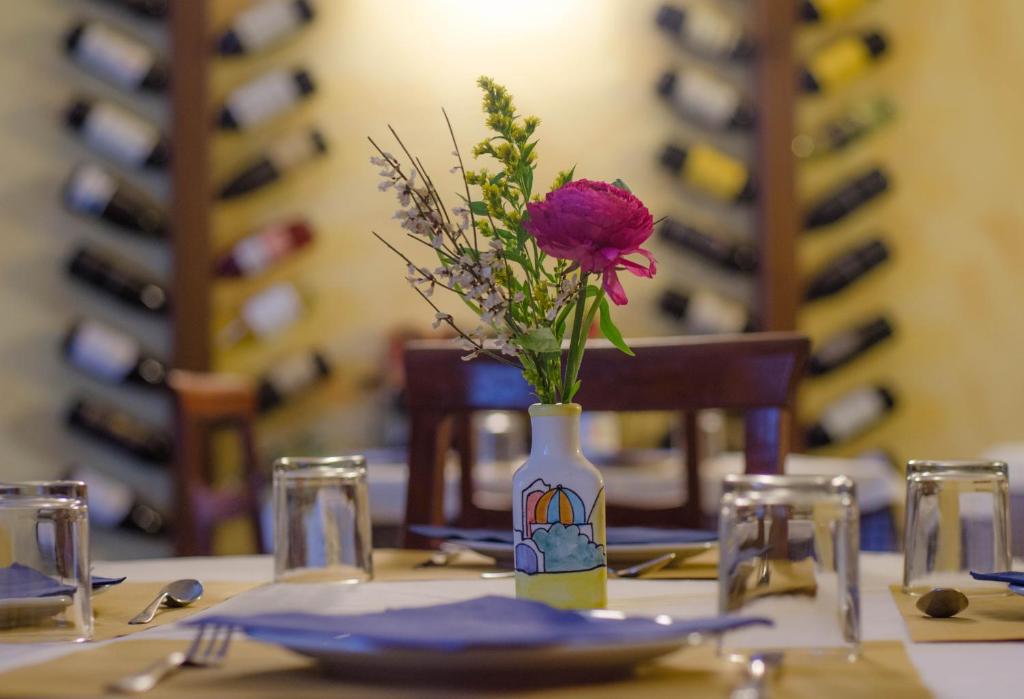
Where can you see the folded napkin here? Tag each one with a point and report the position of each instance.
(1013, 577)
(484, 622)
(18, 580)
(615, 536)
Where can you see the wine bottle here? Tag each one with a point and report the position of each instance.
(116, 57)
(844, 347)
(293, 375)
(114, 504)
(847, 198)
(118, 134)
(828, 11)
(107, 354)
(264, 24)
(119, 428)
(710, 171)
(856, 122)
(258, 252)
(846, 269)
(283, 155)
(842, 61)
(852, 414)
(155, 9)
(264, 98)
(115, 278)
(734, 257)
(266, 313)
(705, 312)
(94, 192)
(704, 29)
(706, 99)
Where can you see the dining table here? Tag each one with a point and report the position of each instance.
(954, 669)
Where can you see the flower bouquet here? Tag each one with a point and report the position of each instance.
(537, 272)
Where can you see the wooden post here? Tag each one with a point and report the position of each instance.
(190, 238)
(777, 227)
(190, 184)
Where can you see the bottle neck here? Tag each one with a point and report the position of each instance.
(555, 436)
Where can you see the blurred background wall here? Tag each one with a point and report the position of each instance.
(587, 67)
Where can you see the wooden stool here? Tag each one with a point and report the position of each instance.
(205, 402)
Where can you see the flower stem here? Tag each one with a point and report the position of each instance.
(576, 343)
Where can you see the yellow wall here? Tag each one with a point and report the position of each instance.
(587, 67)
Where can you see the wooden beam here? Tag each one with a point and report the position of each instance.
(190, 184)
(777, 227)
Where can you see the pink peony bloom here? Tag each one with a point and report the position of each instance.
(596, 225)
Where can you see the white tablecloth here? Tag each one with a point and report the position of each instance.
(949, 669)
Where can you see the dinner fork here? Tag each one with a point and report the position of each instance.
(205, 651)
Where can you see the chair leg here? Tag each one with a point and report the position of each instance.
(767, 440)
(253, 483)
(429, 439)
(190, 455)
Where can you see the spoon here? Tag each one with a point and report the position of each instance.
(942, 602)
(637, 571)
(179, 593)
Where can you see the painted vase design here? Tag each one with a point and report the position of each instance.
(558, 516)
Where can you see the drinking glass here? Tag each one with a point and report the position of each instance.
(788, 551)
(322, 529)
(958, 520)
(45, 584)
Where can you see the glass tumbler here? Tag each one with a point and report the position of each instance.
(45, 584)
(322, 529)
(788, 552)
(958, 520)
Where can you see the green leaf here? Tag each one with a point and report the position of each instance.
(621, 185)
(611, 332)
(540, 340)
(478, 207)
(574, 389)
(498, 178)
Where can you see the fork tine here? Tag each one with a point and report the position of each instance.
(193, 650)
(223, 650)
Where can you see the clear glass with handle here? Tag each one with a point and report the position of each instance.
(788, 551)
(322, 530)
(45, 584)
(957, 520)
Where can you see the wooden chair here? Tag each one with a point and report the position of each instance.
(754, 373)
(206, 402)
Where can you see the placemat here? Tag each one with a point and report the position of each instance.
(113, 608)
(255, 671)
(987, 618)
(398, 565)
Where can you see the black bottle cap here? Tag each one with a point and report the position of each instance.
(305, 82)
(670, 18)
(744, 258)
(744, 118)
(816, 436)
(267, 397)
(808, 12)
(226, 120)
(873, 253)
(305, 9)
(73, 36)
(77, 112)
(229, 44)
(667, 83)
(673, 157)
(878, 329)
(887, 396)
(745, 48)
(808, 83)
(160, 156)
(319, 141)
(875, 42)
(322, 365)
(674, 304)
(748, 193)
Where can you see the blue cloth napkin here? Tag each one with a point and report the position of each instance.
(1014, 577)
(484, 622)
(616, 536)
(18, 580)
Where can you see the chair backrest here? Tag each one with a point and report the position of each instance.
(754, 373)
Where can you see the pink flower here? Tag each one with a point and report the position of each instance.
(596, 225)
